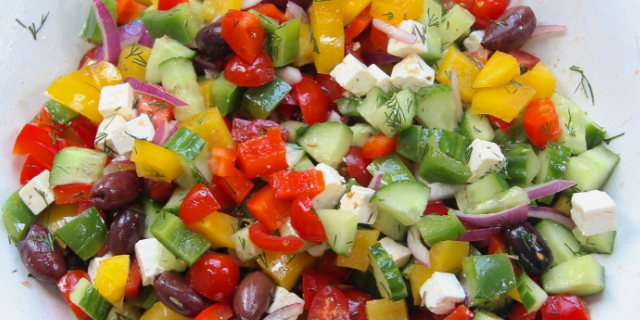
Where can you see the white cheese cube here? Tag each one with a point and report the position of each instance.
(318, 250)
(484, 156)
(92, 270)
(154, 259)
(287, 230)
(357, 201)
(383, 81)
(106, 129)
(594, 212)
(125, 134)
(473, 42)
(37, 194)
(403, 49)
(283, 298)
(441, 293)
(398, 252)
(333, 188)
(117, 100)
(412, 72)
(245, 249)
(353, 76)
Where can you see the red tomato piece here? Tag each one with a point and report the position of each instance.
(331, 88)
(215, 276)
(541, 122)
(67, 283)
(262, 239)
(357, 26)
(270, 211)
(379, 39)
(329, 304)
(87, 57)
(519, 312)
(218, 191)
(467, 4)
(526, 60)
(218, 311)
(167, 4)
(84, 130)
(244, 33)
(157, 110)
(288, 185)
(502, 125)
(222, 161)
(484, 10)
(132, 288)
(129, 10)
(460, 313)
(357, 303)
(312, 283)
(357, 166)
(436, 207)
(270, 11)
(327, 265)
(263, 155)
(242, 73)
(72, 193)
(37, 142)
(161, 191)
(65, 143)
(198, 204)
(237, 186)
(243, 130)
(31, 168)
(564, 307)
(496, 244)
(313, 103)
(305, 221)
(43, 120)
(377, 146)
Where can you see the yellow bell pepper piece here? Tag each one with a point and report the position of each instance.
(505, 102)
(133, 61)
(419, 275)
(111, 279)
(161, 312)
(499, 70)
(211, 127)
(563, 204)
(539, 78)
(285, 268)
(386, 309)
(214, 9)
(466, 69)
(305, 46)
(217, 228)
(359, 259)
(80, 90)
(513, 293)
(56, 216)
(155, 162)
(446, 256)
(148, 2)
(328, 34)
(205, 88)
(352, 8)
(394, 11)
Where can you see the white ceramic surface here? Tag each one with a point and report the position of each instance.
(603, 38)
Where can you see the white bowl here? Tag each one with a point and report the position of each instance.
(603, 38)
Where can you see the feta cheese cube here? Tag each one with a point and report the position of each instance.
(473, 42)
(353, 76)
(287, 230)
(125, 134)
(117, 100)
(104, 137)
(154, 259)
(357, 201)
(403, 49)
(398, 252)
(383, 81)
(594, 212)
(333, 188)
(37, 194)
(412, 72)
(245, 249)
(484, 156)
(283, 298)
(92, 270)
(318, 250)
(441, 293)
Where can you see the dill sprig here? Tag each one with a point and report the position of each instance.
(585, 84)
(32, 28)
(136, 53)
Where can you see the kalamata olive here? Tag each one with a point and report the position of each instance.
(511, 31)
(126, 229)
(524, 241)
(253, 296)
(210, 42)
(115, 190)
(41, 254)
(280, 4)
(178, 295)
(305, 4)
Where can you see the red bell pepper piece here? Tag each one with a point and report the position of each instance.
(357, 166)
(166, 4)
(65, 143)
(161, 191)
(332, 89)
(85, 130)
(218, 192)
(132, 288)
(261, 238)
(129, 10)
(519, 312)
(243, 130)
(43, 120)
(270, 11)
(379, 39)
(564, 307)
(270, 211)
(288, 185)
(312, 283)
(237, 186)
(87, 57)
(244, 33)
(377, 146)
(502, 125)
(218, 311)
(72, 193)
(263, 155)
(198, 204)
(355, 28)
(460, 313)
(31, 168)
(436, 207)
(327, 265)
(222, 161)
(313, 103)
(305, 221)
(37, 142)
(66, 284)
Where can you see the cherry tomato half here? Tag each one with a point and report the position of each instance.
(484, 10)
(329, 304)
(215, 276)
(244, 74)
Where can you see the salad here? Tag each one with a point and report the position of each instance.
(316, 160)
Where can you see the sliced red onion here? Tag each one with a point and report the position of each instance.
(146, 39)
(394, 32)
(376, 181)
(162, 133)
(418, 250)
(110, 34)
(552, 214)
(131, 33)
(378, 58)
(548, 29)
(173, 127)
(154, 90)
(479, 235)
(513, 3)
(456, 94)
(123, 159)
(290, 75)
(334, 116)
(498, 219)
(284, 313)
(295, 11)
(548, 188)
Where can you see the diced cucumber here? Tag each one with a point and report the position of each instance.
(476, 126)
(174, 203)
(303, 164)
(90, 30)
(396, 114)
(179, 23)
(151, 210)
(284, 43)
(17, 217)
(480, 191)
(85, 234)
(599, 243)
(436, 108)
(349, 106)
(593, 132)
(533, 297)
(186, 143)
(504, 200)
(180, 79)
(451, 143)
(485, 315)
(406, 271)
(572, 122)
(327, 142)
(295, 153)
(522, 164)
(361, 133)
(392, 167)
(292, 127)
(374, 100)
(60, 113)
(226, 95)
(581, 276)
(411, 143)
(431, 16)
(563, 244)
(553, 164)
(489, 276)
(77, 165)
(500, 303)
(164, 48)
(516, 134)
(260, 101)
(591, 169)
(390, 226)
(188, 146)
(435, 228)
(405, 200)
(87, 297)
(388, 278)
(145, 300)
(454, 24)
(437, 166)
(181, 241)
(341, 227)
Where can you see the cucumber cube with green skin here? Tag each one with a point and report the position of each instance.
(515, 135)
(85, 234)
(489, 276)
(486, 315)
(175, 201)
(17, 217)
(186, 143)
(387, 275)
(77, 165)
(599, 243)
(292, 126)
(582, 276)
(226, 95)
(392, 167)
(504, 200)
(284, 43)
(594, 133)
(431, 16)
(349, 106)
(591, 169)
(303, 164)
(437, 108)
(269, 24)
(260, 101)
(522, 164)
(553, 161)
(374, 100)
(561, 241)
(454, 24)
(572, 121)
(87, 297)
(437, 166)
(164, 48)
(476, 126)
(180, 79)
(361, 133)
(435, 228)
(90, 30)
(327, 142)
(480, 191)
(181, 241)
(341, 227)
(390, 226)
(178, 23)
(396, 114)
(411, 143)
(449, 142)
(59, 112)
(405, 200)
(532, 296)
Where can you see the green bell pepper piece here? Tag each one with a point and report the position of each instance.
(392, 167)
(59, 112)
(85, 234)
(488, 276)
(284, 43)
(17, 217)
(178, 23)
(411, 143)
(435, 228)
(437, 166)
(260, 101)
(90, 30)
(349, 106)
(181, 241)
(186, 143)
(226, 95)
